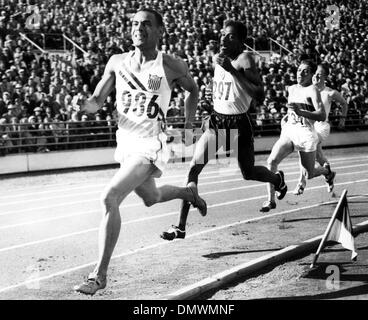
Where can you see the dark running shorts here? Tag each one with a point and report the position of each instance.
(234, 126)
(234, 133)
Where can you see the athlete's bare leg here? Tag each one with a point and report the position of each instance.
(281, 149)
(205, 150)
(131, 174)
(321, 159)
(302, 182)
(308, 160)
(246, 160)
(320, 156)
(134, 174)
(151, 194)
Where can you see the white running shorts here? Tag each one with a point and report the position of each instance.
(304, 138)
(154, 149)
(323, 130)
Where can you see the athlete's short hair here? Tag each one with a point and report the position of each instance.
(325, 68)
(240, 29)
(312, 66)
(158, 16)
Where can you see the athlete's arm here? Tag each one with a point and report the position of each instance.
(103, 88)
(337, 97)
(245, 71)
(183, 78)
(284, 119)
(319, 114)
(249, 68)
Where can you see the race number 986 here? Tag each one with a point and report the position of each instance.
(140, 104)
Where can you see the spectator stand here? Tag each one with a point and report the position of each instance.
(75, 40)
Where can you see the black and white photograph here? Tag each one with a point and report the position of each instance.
(183, 156)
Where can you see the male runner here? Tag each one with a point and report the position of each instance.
(236, 83)
(298, 132)
(323, 127)
(143, 79)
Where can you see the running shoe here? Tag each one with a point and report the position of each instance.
(281, 189)
(173, 233)
(267, 206)
(327, 166)
(330, 181)
(299, 189)
(91, 285)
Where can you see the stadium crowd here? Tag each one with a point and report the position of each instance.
(38, 93)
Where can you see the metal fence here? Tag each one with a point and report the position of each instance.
(53, 136)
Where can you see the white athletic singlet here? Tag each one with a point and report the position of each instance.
(298, 129)
(228, 95)
(300, 95)
(142, 98)
(323, 127)
(142, 102)
(326, 97)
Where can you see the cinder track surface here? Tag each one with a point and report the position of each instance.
(49, 226)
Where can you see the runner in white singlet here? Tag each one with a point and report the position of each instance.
(142, 102)
(236, 83)
(323, 127)
(298, 132)
(143, 80)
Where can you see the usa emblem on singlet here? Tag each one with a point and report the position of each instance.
(154, 82)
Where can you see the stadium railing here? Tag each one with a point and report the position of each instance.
(280, 47)
(53, 136)
(33, 41)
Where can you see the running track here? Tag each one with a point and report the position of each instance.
(48, 230)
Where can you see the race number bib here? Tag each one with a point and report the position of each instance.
(293, 118)
(222, 90)
(138, 104)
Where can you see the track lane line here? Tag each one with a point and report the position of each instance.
(214, 175)
(36, 242)
(139, 203)
(98, 211)
(283, 166)
(158, 244)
